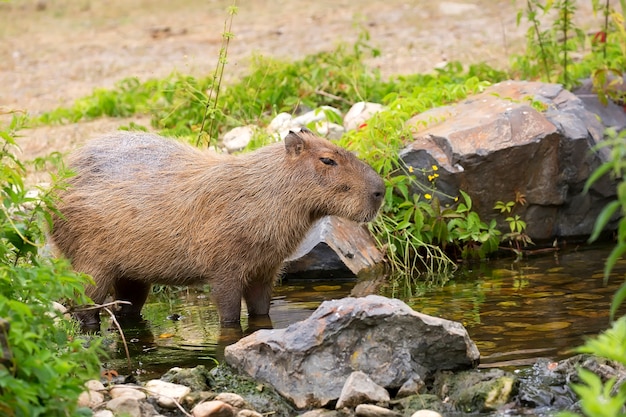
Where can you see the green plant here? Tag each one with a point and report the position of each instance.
(615, 166)
(598, 398)
(549, 51)
(607, 59)
(214, 93)
(48, 363)
(516, 237)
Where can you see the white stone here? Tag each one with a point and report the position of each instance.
(213, 409)
(360, 113)
(282, 121)
(166, 393)
(125, 406)
(127, 391)
(314, 116)
(238, 138)
(235, 400)
(103, 413)
(90, 399)
(370, 410)
(94, 385)
(425, 413)
(329, 130)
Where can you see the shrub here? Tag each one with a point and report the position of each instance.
(44, 363)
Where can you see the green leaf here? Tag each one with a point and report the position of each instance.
(618, 300)
(603, 219)
(614, 256)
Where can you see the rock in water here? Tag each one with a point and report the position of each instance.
(309, 361)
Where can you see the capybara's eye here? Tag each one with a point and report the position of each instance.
(328, 161)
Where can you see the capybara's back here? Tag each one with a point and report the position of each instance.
(143, 209)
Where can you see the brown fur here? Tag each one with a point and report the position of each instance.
(143, 210)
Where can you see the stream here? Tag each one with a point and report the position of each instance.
(516, 312)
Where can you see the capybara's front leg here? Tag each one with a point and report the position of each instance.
(258, 295)
(133, 291)
(90, 319)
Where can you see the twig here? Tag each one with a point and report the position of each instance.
(334, 97)
(98, 306)
(114, 320)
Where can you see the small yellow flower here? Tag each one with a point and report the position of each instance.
(428, 196)
(410, 169)
(456, 198)
(436, 176)
(431, 178)
(435, 167)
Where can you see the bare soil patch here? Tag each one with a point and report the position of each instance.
(55, 51)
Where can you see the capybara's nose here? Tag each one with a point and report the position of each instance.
(379, 193)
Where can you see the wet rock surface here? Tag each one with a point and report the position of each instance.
(381, 337)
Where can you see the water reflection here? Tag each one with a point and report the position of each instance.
(514, 311)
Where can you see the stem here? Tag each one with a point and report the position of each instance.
(606, 27)
(539, 39)
(565, 25)
(218, 74)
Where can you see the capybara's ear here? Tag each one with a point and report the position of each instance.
(294, 143)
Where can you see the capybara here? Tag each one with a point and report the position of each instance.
(142, 209)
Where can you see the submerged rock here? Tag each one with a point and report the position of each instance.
(310, 361)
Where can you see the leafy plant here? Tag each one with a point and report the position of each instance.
(549, 50)
(45, 363)
(517, 236)
(598, 398)
(615, 167)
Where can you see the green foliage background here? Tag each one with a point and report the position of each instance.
(45, 362)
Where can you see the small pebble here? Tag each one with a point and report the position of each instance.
(127, 391)
(425, 413)
(213, 409)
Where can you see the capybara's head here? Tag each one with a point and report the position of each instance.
(339, 183)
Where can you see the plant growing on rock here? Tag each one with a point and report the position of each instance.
(43, 363)
(516, 237)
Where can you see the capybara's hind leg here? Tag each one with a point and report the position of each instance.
(133, 291)
(228, 301)
(258, 295)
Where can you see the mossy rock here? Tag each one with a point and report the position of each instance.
(409, 405)
(262, 397)
(477, 391)
(198, 378)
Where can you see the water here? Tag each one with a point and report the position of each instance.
(515, 312)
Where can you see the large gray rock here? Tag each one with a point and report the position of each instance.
(310, 361)
(497, 143)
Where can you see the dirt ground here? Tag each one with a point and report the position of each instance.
(54, 51)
